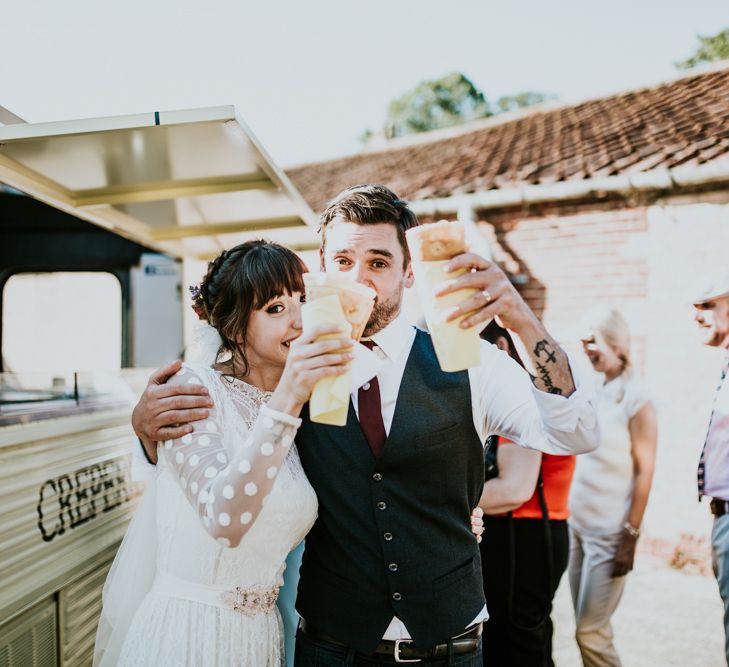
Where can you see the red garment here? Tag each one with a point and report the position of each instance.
(557, 474)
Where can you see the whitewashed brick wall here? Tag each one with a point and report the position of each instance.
(645, 261)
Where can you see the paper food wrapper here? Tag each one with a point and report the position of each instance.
(356, 300)
(336, 299)
(432, 246)
(329, 402)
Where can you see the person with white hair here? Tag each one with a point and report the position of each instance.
(711, 313)
(610, 488)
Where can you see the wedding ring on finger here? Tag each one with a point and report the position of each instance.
(487, 295)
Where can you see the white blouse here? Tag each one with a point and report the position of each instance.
(602, 487)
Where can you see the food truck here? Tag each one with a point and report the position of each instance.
(103, 223)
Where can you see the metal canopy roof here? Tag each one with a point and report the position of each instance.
(188, 183)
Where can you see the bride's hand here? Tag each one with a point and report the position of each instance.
(309, 361)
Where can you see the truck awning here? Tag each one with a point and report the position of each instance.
(188, 183)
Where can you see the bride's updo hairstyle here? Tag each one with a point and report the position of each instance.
(241, 280)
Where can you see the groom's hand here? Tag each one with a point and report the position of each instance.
(495, 295)
(164, 411)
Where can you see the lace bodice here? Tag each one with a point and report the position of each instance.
(247, 398)
(237, 476)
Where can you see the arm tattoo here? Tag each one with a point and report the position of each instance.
(547, 380)
(543, 347)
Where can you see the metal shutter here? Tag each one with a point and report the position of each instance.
(79, 609)
(30, 640)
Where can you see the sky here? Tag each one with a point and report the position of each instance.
(309, 76)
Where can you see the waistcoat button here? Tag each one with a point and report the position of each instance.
(377, 477)
(387, 536)
(393, 567)
(396, 596)
(381, 505)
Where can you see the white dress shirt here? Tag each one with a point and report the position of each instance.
(504, 402)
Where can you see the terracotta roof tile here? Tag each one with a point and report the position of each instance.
(685, 121)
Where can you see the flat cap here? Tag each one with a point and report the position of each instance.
(715, 285)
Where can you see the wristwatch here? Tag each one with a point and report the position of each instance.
(633, 532)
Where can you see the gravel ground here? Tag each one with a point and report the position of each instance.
(666, 617)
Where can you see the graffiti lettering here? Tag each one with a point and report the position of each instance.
(69, 501)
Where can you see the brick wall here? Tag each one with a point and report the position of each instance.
(574, 260)
(643, 260)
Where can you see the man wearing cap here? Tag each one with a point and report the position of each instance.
(712, 316)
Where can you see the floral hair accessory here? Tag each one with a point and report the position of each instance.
(198, 305)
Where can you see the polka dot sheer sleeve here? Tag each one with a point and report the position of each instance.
(228, 492)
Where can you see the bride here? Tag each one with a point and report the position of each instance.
(197, 577)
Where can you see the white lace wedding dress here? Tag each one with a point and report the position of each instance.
(231, 501)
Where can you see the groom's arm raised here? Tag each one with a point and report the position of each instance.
(543, 358)
(164, 411)
(555, 416)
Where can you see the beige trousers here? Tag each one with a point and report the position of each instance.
(595, 596)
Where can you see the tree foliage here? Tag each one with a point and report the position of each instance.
(520, 100)
(443, 102)
(711, 48)
(451, 100)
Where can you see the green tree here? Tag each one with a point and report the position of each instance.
(711, 48)
(521, 100)
(443, 102)
(451, 100)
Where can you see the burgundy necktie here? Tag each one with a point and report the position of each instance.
(370, 411)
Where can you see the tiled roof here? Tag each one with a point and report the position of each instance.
(681, 122)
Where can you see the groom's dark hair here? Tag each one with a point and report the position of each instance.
(369, 205)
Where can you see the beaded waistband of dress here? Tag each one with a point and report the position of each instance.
(249, 601)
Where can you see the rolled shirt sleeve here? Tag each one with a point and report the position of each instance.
(505, 402)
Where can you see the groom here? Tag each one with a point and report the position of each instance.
(391, 569)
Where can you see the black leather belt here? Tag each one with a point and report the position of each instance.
(719, 507)
(404, 650)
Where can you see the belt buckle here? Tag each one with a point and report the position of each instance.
(396, 653)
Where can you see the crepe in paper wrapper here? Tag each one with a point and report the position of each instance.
(356, 300)
(344, 303)
(432, 246)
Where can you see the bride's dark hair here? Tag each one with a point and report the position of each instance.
(241, 280)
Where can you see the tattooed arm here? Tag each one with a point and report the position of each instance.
(511, 405)
(549, 414)
(545, 360)
(497, 297)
